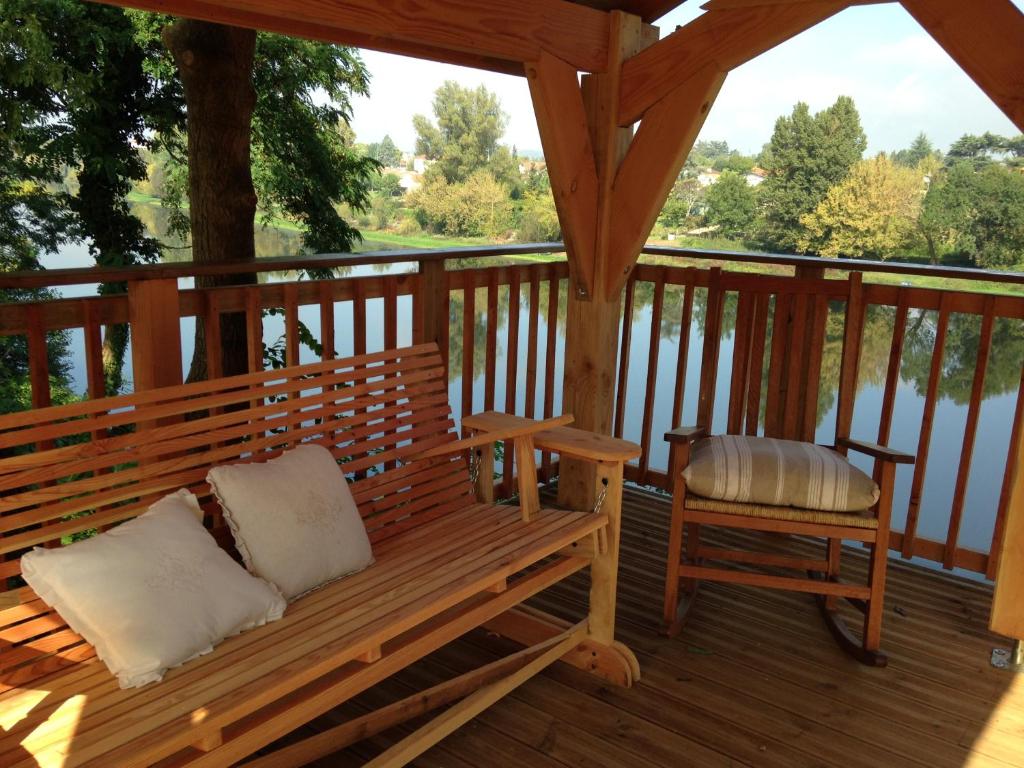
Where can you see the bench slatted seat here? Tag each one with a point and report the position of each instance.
(445, 562)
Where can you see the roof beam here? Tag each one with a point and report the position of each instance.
(499, 35)
(986, 38)
(723, 38)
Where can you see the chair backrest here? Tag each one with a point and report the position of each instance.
(69, 470)
(779, 338)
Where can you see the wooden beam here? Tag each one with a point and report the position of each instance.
(651, 166)
(1008, 601)
(487, 35)
(725, 38)
(562, 122)
(986, 38)
(155, 319)
(592, 320)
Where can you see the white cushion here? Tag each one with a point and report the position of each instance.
(153, 592)
(294, 519)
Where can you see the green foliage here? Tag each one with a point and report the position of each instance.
(872, 213)
(730, 205)
(921, 149)
(976, 214)
(387, 185)
(464, 136)
(538, 219)
(683, 202)
(479, 206)
(807, 155)
(385, 152)
(987, 148)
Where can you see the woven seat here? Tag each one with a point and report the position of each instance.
(863, 519)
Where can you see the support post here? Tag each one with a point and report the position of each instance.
(592, 322)
(1008, 601)
(604, 568)
(155, 318)
(431, 306)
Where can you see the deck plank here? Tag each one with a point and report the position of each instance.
(754, 679)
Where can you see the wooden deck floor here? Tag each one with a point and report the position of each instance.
(754, 680)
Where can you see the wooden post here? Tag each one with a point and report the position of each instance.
(604, 569)
(592, 322)
(155, 318)
(1008, 602)
(431, 306)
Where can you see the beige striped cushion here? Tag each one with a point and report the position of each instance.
(762, 470)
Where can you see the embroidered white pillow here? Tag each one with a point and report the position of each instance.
(294, 519)
(153, 592)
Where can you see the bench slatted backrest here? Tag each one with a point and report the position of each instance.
(69, 470)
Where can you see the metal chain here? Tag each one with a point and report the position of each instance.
(600, 498)
(474, 466)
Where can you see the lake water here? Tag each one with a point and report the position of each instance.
(995, 421)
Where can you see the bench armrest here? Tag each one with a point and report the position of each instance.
(874, 450)
(686, 434)
(557, 438)
(526, 428)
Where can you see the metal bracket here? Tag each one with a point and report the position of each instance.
(1012, 659)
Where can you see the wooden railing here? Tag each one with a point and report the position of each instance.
(507, 354)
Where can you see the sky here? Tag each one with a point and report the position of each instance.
(901, 80)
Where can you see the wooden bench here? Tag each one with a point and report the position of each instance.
(446, 563)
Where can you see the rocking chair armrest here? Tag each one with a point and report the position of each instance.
(686, 434)
(880, 452)
(554, 436)
(527, 428)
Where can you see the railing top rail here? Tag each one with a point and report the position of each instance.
(853, 265)
(84, 275)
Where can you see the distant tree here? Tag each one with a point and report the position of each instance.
(682, 203)
(538, 219)
(987, 148)
(387, 185)
(807, 156)
(464, 134)
(872, 213)
(919, 150)
(385, 152)
(977, 214)
(479, 206)
(730, 205)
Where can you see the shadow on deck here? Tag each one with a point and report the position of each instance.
(755, 680)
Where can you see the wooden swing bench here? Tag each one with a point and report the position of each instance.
(448, 560)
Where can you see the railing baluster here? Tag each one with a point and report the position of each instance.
(714, 308)
(892, 376)
(212, 337)
(852, 333)
(624, 350)
(927, 420)
(755, 371)
(740, 362)
(390, 313)
(491, 352)
(358, 319)
(774, 401)
(468, 339)
(291, 323)
(38, 360)
(796, 343)
(1004, 492)
(970, 430)
(93, 332)
(531, 345)
(511, 370)
(652, 375)
(816, 349)
(254, 329)
(683, 351)
(327, 351)
(554, 284)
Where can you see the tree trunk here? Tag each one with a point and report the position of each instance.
(115, 343)
(215, 63)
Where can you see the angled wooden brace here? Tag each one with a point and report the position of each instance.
(652, 164)
(562, 122)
